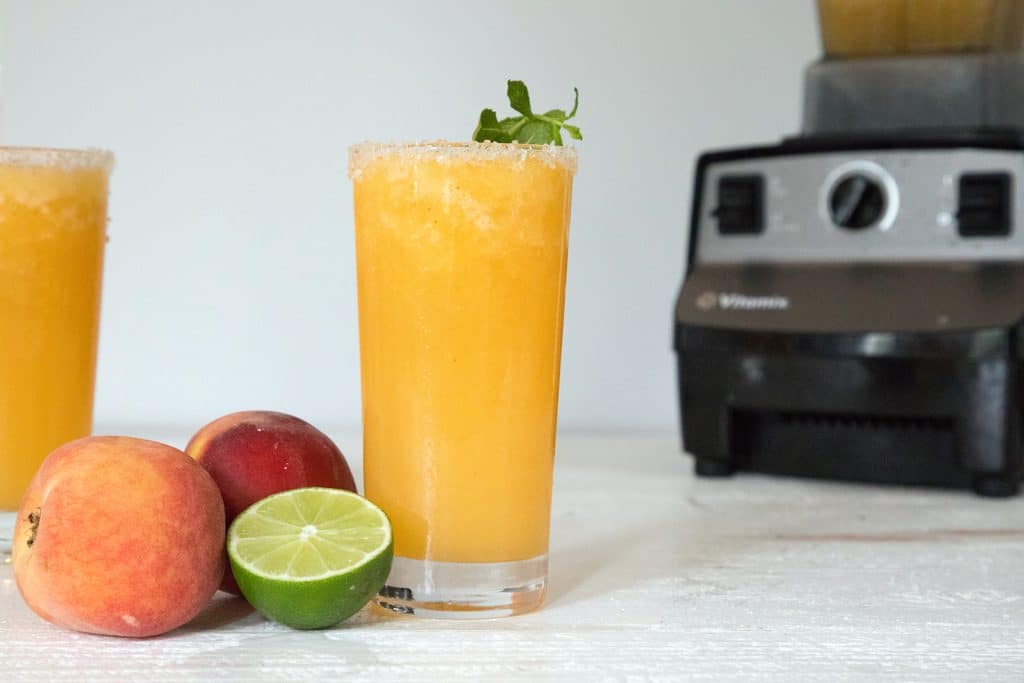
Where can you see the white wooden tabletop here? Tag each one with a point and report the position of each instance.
(655, 575)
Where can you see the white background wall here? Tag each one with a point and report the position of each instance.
(230, 277)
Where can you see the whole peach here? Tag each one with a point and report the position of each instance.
(253, 454)
(119, 536)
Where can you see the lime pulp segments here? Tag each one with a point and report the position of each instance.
(310, 558)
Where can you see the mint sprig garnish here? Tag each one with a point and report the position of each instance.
(528, 128)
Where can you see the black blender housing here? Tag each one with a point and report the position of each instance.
(861, 365)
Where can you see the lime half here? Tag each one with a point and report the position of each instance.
(310, 558)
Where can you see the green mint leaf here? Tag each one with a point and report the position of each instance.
(529, 128)
(535, 132)
(511, 126)
(519, 97)
(488, 127)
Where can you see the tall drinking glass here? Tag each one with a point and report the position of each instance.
(53, 221)
(461, 254)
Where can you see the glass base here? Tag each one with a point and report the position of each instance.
(464, 590)
(6, 535)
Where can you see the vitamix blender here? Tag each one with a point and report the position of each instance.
(854, 296)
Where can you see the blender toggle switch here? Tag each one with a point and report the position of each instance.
(984, 205)
(740, 209)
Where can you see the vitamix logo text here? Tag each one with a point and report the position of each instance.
(731, 301)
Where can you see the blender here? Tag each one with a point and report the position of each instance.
(853, 306)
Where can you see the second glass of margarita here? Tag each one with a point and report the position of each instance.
(53, 227)
(461, 253)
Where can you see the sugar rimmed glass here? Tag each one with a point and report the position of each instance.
(461, 255)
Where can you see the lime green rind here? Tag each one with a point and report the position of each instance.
(334, 599)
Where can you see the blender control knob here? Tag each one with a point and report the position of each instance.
(856, 201)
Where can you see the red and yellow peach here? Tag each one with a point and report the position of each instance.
(119, 536)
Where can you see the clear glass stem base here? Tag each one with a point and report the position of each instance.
(464, 590)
